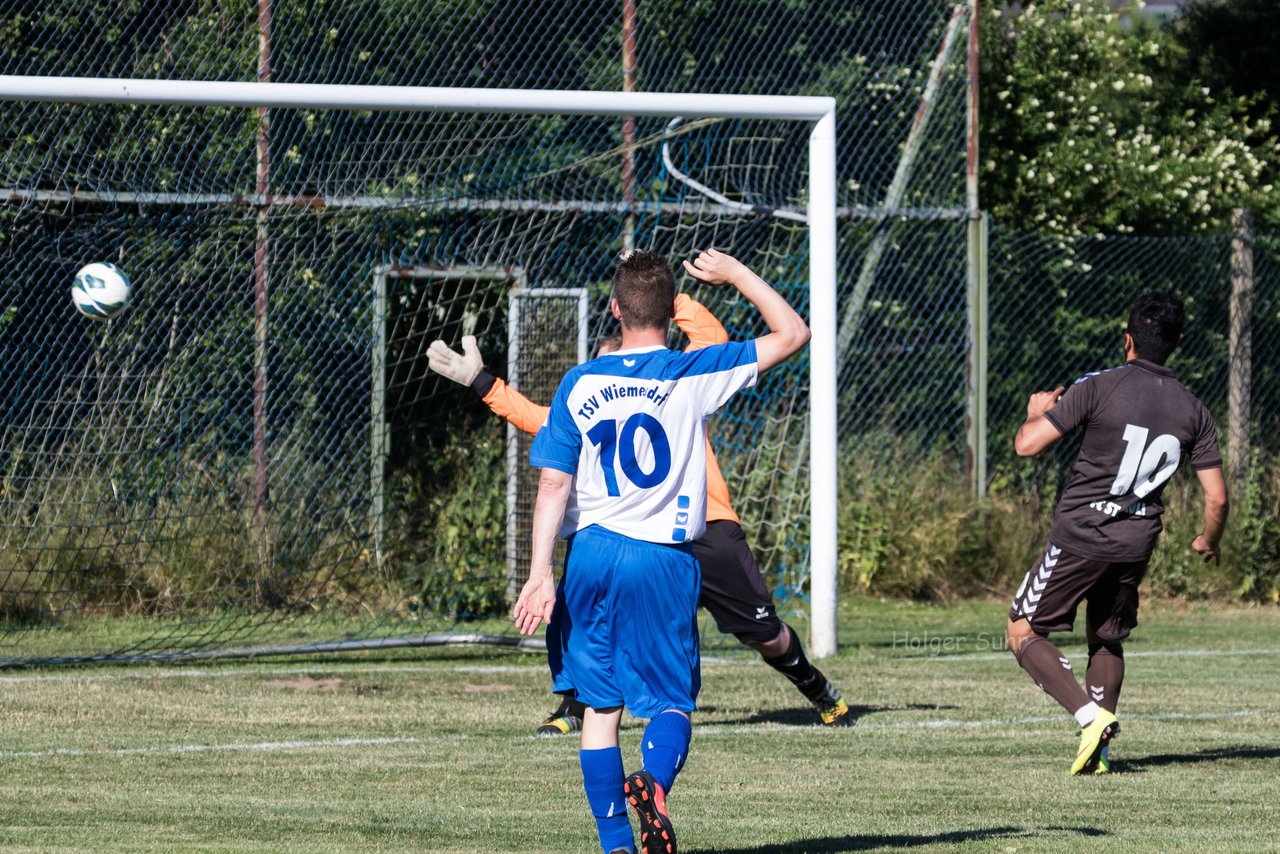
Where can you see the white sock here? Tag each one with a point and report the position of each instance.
(1086, 714)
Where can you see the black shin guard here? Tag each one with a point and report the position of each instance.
(795, 665)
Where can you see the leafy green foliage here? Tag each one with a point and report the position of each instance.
(449, 526)
(918, 533)
(1230, 47)
(1083, 131)
(1254, 541)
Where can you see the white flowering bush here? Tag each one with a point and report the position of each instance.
(1084, 130)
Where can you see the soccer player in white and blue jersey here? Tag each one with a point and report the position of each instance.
(623, 459)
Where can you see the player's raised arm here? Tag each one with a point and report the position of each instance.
(787, 330)
(697, 322)
(1037, 432)
(467, 368)
(461, 367)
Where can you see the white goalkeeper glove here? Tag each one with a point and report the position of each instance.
(461, 367)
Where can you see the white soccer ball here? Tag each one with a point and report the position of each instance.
(101, 290)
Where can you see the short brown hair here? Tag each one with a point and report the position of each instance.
(645, 289)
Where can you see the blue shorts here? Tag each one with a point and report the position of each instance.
(626, 624)
(560, 683)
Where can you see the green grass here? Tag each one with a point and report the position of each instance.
(952, 751)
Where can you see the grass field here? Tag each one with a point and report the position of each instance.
(954, 749)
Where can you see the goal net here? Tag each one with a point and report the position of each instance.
(254, 454)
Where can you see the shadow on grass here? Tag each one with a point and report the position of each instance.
(1212, 754)
(807, 717)
(867, 842)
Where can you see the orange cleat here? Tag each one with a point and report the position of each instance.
(646, 797)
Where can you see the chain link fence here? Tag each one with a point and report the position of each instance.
(1058, 310)
(255, 452)
(214, 469)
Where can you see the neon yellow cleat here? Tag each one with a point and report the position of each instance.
(1093, 740)
(1104, 761)
(565, 719)
(835, 713)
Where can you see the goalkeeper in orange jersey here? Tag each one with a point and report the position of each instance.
(733, 590)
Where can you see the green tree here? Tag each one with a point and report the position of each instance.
(1079, 136)
(1227, 48)
(1230, 47)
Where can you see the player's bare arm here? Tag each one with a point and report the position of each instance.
(1037, 432)
(538, 596)
(787, 330)
(1216, 506)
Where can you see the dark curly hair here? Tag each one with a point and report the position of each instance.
(1155, 325)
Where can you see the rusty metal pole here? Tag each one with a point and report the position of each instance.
(1240, 350)
(976, 396)
(260, 256)
(628, 122)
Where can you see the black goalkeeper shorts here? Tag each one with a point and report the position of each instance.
(732, 590)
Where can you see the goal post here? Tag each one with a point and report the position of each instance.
(819, 199)
(824, 495)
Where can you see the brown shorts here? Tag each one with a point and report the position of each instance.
(1054, 586)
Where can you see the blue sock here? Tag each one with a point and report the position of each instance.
(665, 746)
(603, 777)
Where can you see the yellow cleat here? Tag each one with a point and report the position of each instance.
(1104, 761)
(565, 719)
(1093, 740)
(835, 713)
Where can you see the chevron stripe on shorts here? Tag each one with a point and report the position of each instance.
(1027, 599)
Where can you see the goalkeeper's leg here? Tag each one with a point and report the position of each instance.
(734, 593)
(566, 718)
(792, 663)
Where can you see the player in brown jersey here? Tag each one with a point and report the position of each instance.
(1139, 425)
(733, 590)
